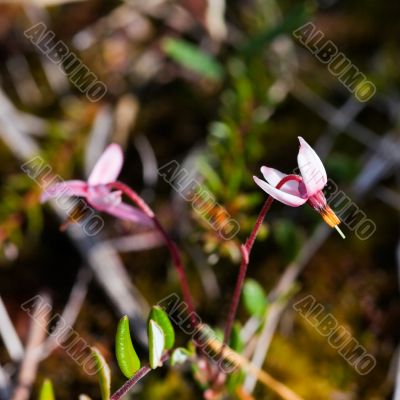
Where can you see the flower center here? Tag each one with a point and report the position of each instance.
(102, 196)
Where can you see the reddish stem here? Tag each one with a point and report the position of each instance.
(128, 385)
(246, 250)
(173, 249)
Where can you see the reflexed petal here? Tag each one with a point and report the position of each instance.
(61, 189)
(311, 168)
(129, 213)
(273, 177)
(108, 166)
(277, 194)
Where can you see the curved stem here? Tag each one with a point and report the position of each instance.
(173, 249)
(128, 385)
(246, 250)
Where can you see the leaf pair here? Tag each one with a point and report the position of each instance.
(161, 337)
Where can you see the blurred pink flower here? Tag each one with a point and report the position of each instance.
(307, 188)
(95, 190)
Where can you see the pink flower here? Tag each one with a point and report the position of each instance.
(306, 188)
(95, 190)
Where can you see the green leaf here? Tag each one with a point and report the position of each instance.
(180, 356)
(192, 58)
(254, 297)
(103, 374)
(46, 391)
(236, 342)
(156, 344)
(158, 315)
(128, 360)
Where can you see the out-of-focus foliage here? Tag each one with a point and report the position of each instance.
(193, 58)
(233, 102)
(254, 298)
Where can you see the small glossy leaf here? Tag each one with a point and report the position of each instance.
(254, 297)
(46, 391)
(103, 374)
(193, 58)
(179, 356)
(128, 360)
(158, 315)
(156, 344)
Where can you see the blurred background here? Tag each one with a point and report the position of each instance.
(222, 88)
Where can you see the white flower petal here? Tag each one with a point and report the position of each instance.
(277, 194)
(64, 189)
(108, 166)
(129, 213)
(273, 177)
(311, 168)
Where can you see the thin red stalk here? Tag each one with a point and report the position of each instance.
(173, 249)
(246, 250)
(128, 385)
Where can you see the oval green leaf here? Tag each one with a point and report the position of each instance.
(156, 344)
(46, 391)
(254, 297)
(158, 315)
(103, 374)
(128, 360)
